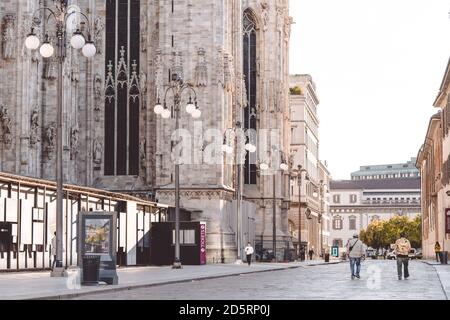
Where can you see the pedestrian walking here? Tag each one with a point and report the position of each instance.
(311, 253)
(402, 248)
(437, 250)
(53, 250)
(249, 252)
(302, 253)
(356, 250)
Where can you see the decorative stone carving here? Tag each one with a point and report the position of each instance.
(143, 153)
(74, 138)
(50, 136)
(288, 21)
(265, 8)
(110, 91)
(97, 97)
(158, 71)
(177, 57)
(280, 18)
(97, 154)
(228, 72)
(220, 67)
(197, 194)
(6, 126)
(8, 38)
(99, 26)
(134, 87)
(201, 70)
(34, 128)
(143, 89)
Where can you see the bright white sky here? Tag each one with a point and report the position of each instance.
(378, 66)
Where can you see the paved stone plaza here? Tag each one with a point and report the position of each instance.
(326, 282)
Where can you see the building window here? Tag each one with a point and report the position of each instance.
(338, 243)
(250, 73)
(337, 198)
(353, 198)
(337, 223)
(352, 223)
(122, 96)
(375, 218)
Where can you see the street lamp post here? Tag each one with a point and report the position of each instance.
(321, 195)
(226, 148)
(177, 87)
(60, 13)
(283, 167)
(300, 171)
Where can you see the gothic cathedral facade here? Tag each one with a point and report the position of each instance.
(234, 53)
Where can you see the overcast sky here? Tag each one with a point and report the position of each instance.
(378, 66)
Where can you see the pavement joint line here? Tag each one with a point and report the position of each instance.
(439, 277)
(150, 285)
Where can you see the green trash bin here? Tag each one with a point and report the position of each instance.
(91, 270)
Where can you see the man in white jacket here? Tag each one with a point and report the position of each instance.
(249, 252)
(356, 249)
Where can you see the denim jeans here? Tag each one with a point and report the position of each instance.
(355, 266)
(403, 262)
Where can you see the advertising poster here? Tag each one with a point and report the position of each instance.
(97, 236)
(202, 243)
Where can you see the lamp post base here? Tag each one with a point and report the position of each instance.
(177, 265)
(59, 273)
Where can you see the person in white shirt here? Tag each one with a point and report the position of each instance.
(356, 249)
(249, 252)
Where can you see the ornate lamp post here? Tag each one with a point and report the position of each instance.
(60, 13)
(300, 172)
(282, 167)
(320, 195)
(226, 148)
(177, 86)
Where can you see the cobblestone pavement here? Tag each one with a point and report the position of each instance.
(331, 282)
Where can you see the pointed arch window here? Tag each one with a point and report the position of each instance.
(122, 98)
(250, 74)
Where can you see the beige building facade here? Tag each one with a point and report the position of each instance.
(433, 162)
(306, 206)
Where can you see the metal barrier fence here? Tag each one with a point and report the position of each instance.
(285, 251)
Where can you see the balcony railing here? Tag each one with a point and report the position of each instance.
(390, 202)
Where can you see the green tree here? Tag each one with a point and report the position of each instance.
(381, 234)
(296, 91)
(373, 236)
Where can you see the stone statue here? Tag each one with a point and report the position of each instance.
(6, 126)
(99, 26)
(50, 134)
(265, 15)
(228, 72)
(98, 151)
(8, 37)
(143, 89)
(288, 21)
(142, 153)
(74, 136)
(98, 87)
(201, 70)
(34, 128)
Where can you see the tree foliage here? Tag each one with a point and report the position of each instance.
(381, 234)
